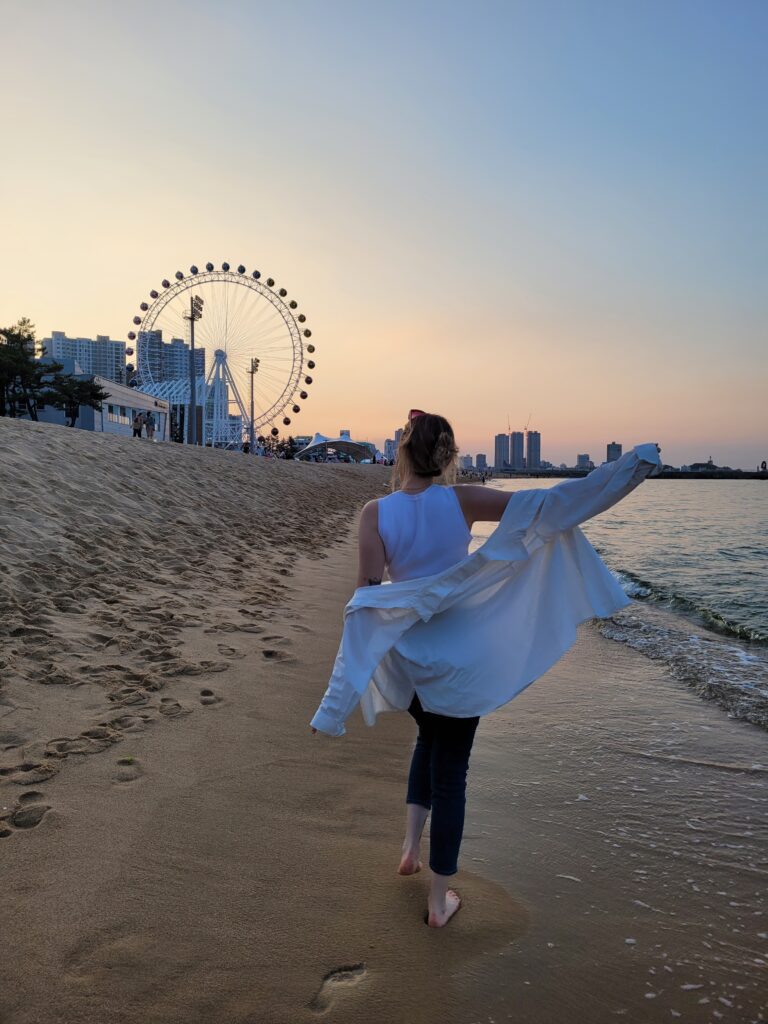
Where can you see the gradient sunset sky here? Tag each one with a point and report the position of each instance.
(488, 209)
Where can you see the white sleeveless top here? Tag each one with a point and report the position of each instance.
(422, 533)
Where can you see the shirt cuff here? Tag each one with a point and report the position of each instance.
(648, 453)
(326, 723)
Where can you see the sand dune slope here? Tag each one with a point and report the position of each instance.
(110, 548)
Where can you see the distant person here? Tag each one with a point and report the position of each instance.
(149, 423)
(138, 423)
(422, 642)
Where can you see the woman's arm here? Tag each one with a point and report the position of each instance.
(481, 504)
(371, 556)
(574, 501)
(571, 501)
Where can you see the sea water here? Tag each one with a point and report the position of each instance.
(693, 556)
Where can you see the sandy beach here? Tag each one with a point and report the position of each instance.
(177, 847)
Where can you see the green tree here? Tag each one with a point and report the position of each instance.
(279, 447)
(70, 393)
(21, 376)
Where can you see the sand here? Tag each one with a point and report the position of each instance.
(177, 847)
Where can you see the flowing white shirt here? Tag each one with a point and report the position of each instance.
(470, 638)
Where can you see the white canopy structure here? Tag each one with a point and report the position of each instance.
(360, 451)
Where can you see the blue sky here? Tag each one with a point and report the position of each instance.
(556, 208)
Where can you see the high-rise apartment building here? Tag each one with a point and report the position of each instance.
(398, 436)
(481, 462)
(533, 450)
(169, 360)
(390, 449)
(501, 451)
(583, 462)
(613, 452)
(516, 439)
(465, 461)
(102, 355)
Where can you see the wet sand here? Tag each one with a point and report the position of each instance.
(203, 858)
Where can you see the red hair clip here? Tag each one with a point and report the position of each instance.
(414, 413)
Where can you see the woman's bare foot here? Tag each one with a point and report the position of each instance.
(439, 916)
(409, 863)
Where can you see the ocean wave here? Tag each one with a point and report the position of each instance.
(643, 590)
(733, 674)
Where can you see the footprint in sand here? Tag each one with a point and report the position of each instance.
(209, 698)
(90, 741)
(130, 723)
(29, 773)
(28, 813)
(128, 769)
(172, 708)
(128, 696)
(30, 810)
(272, 655)
(338, 981)
(229, 652)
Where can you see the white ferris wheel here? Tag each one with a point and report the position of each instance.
(253, 373)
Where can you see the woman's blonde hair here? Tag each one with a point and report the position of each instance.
(427, 449)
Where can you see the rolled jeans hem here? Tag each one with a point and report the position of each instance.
(443, 874)
(418, 803)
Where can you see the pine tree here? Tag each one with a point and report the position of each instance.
(70, 393)
(22, 377)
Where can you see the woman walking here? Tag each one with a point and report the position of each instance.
(425, 642)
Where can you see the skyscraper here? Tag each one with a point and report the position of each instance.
(501, 451)
(102, 356)
(481, 462)
(533, 451)
(516, 447)
(465, 461)
(613, 452)
(169, 360)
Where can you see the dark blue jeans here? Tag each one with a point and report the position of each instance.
(438, 781)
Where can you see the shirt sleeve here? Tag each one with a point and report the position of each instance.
(574, 501)
(338, 703)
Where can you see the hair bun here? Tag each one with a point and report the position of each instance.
(444, 450)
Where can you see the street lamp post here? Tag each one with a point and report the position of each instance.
(195, 313)
(251, 434)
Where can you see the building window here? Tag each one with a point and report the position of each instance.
(118, 414)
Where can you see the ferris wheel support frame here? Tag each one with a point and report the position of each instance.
(218, 429)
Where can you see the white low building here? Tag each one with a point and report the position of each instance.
(116, 413)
